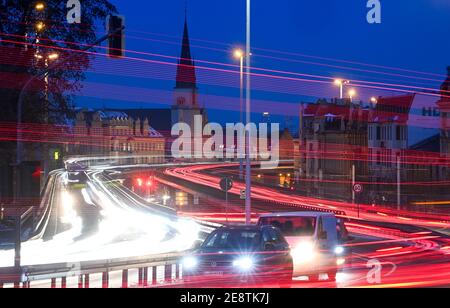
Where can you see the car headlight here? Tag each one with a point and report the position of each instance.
(339, 250)
(244, 263)
(190, 262)
(303, 252)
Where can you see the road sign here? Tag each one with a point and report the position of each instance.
(226, 184)
(358, 188)
(243, 194)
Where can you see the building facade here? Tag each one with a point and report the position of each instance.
(116, 134)
(400, 170)
(333, 137)
(444, 106)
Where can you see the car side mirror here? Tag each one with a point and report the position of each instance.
(323, 235)
(269, 247)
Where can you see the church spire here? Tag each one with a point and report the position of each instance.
(186, 78)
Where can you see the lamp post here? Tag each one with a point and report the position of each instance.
(341, 83)
(248, 179)
(239, 54)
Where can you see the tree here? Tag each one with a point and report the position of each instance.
(34, 36)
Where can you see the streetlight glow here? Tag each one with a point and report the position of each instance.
(340, 83)
(374, 100)
(40, 26)
(352, 94)
(53, 56)
(238, 54)
(40, 6)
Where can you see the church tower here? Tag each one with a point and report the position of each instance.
(186, 104)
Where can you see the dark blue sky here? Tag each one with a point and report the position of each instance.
(413, 35)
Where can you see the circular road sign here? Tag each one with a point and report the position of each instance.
(226, 184)
(358, 188)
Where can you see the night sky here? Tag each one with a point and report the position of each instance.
(288, 35)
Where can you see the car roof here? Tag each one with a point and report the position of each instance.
(242, 227)
(299, 214)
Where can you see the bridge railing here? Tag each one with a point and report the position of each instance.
(58, 274)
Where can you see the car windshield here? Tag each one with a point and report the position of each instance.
(233, 239)
(292, 226)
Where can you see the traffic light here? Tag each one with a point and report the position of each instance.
(56, 155)
(116, 26)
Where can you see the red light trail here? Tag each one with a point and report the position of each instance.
(417, 247)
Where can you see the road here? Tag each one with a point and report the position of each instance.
(102, 219)
(410, 253)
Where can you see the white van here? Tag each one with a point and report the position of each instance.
(314, 239)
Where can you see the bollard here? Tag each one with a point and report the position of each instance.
(140, 277)
(168, 273)
(177, 271)
(146, 277)
(154, 277)
(105, 280)
(80, 282)
(86, 281)
(124, 279)
(63, 283)
(53, 283)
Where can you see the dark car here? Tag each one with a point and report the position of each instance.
(76, 174)
(251, 255)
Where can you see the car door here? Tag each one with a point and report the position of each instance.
(327, 239)
(278, 253)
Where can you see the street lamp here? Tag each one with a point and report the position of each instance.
(40, 6)
(40, 26)
(239, 54)
(341, 83)
(351, 94)
(374, 100)
(53, 56)
(248, 171)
